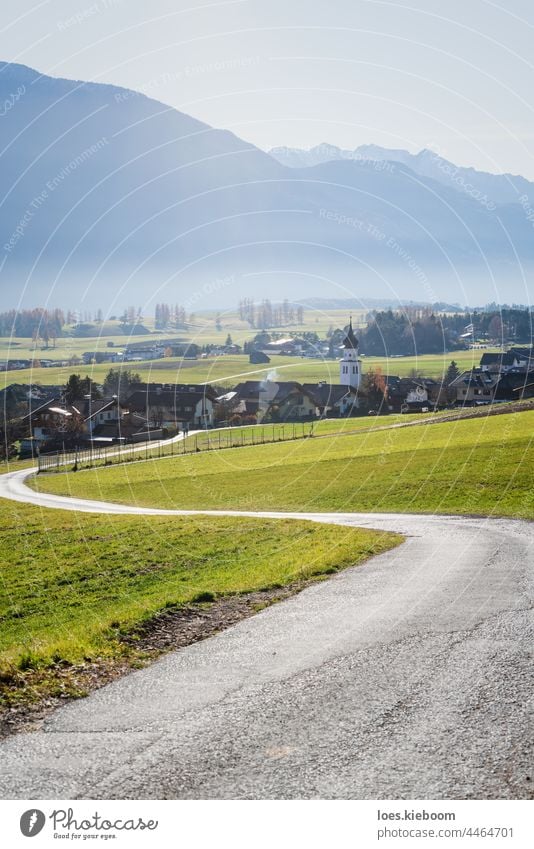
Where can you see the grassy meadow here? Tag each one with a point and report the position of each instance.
(230, 369)
(73, 583)
(474, 466)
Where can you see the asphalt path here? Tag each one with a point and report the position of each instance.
(406, 678)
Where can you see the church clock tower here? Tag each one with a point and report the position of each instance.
(350, 367)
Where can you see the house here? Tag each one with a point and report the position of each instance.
(333, 399)
(270, 400)
(14, 365)
(221, 350)
(521, 359)
(415, 394)
(54, 422)
(131, 427)
(499, 361)
(89, 357)
(138, 353)
(475, 387)
(288, 345)
(418, 394)
(159, 388)
(515, 385)
(176, 407)
(98, 413)
(524, 356)
(18, 399)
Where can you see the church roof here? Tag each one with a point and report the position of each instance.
(350, 339)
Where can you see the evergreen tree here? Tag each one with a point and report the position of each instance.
(452, 372)
(73, 389)
(119, 382)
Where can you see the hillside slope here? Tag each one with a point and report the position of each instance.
(109, 196)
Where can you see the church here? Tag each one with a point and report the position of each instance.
(350, 366)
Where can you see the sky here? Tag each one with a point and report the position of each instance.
(457, 77)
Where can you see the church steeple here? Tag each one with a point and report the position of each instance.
(350, 367)
(350, 339)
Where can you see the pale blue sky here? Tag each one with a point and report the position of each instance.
(455, 76)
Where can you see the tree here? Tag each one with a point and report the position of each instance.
(90, 387)
(265, 314)
(74, 430)
(452, 373)
(11, 430)
(119, 382)
(35, 323)
(157, 416)
(73, 389)
(228, 340)
(375, 387)
(495, 329)
(261, 339)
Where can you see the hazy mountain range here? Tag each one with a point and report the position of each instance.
(490, 189)
(108, 196)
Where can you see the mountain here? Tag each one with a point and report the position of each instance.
(491, 189)
(108, 198)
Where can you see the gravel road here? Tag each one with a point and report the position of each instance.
(405, 678)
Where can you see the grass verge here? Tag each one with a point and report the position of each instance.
(83, 596)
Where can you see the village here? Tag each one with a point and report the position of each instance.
(266, 428)
(127, 410)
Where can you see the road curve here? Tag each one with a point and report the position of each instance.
(407, 677)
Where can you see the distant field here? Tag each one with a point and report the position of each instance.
(481, 466)
(227, 370)
(202, 332)
(73, 583)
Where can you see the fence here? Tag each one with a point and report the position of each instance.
(218, 440)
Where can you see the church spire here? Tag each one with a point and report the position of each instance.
(350, 338)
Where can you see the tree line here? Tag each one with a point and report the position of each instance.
(169, 315)
(36, 323)
(421, 331)
(264, 315)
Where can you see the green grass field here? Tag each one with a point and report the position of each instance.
(72, 582)
(478, 466)
(231, 369)
(203, 331)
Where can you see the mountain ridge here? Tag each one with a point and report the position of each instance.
(426, 163)
(108, 195)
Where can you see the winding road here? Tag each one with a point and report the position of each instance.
(405, 678)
